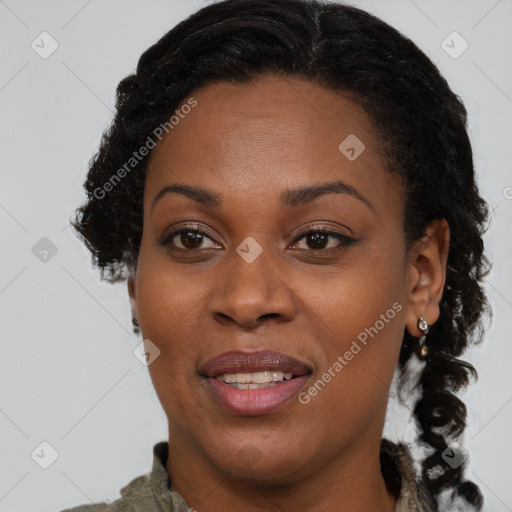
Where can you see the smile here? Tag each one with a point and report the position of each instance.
(254, 383)
(255, 380)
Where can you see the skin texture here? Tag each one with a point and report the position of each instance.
(247, 144)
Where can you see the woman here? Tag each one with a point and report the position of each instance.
(288, 188)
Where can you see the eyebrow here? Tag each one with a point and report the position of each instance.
(290, 198)
(304, 195)
(198, 194)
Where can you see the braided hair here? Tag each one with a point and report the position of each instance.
(422, 128)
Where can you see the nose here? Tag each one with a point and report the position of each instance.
(252, 293)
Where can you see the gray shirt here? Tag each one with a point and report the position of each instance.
(152, 493)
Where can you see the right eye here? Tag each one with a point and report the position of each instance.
(188, 239)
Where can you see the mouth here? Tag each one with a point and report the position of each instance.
(254, 383)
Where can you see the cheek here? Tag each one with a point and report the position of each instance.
(361, 313)
(166, 293)
(352, 298)
(170, 304)
(169, 316)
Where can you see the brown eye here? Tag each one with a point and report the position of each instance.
(191, 239)
(188, 239)
(317, 240)
(323, 241)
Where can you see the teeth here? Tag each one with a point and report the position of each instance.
(253, 386)
(254, 378)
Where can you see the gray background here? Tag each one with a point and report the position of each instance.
(68, 373)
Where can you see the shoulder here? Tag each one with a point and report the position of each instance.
(400, 476)
(147, 493)
(137, 496)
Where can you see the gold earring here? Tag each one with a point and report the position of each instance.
(422, 347)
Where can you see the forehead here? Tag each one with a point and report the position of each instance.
(276, 132)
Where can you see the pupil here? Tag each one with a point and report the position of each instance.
(191, 240)
(317, 240)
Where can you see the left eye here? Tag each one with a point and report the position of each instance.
(320, 240)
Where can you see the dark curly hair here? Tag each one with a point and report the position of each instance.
(422, 128)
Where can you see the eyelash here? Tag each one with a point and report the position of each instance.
(345, 241)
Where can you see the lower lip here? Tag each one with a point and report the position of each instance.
(253, 402)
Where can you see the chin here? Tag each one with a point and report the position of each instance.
(262, 464)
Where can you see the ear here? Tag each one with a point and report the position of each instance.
(132, 292)
(426, 275)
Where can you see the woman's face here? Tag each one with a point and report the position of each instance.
(259, 172)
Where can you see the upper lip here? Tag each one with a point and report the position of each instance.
(237, 361)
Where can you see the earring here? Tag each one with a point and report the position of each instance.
(423, 325)
(422, 347)
(135, 322)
